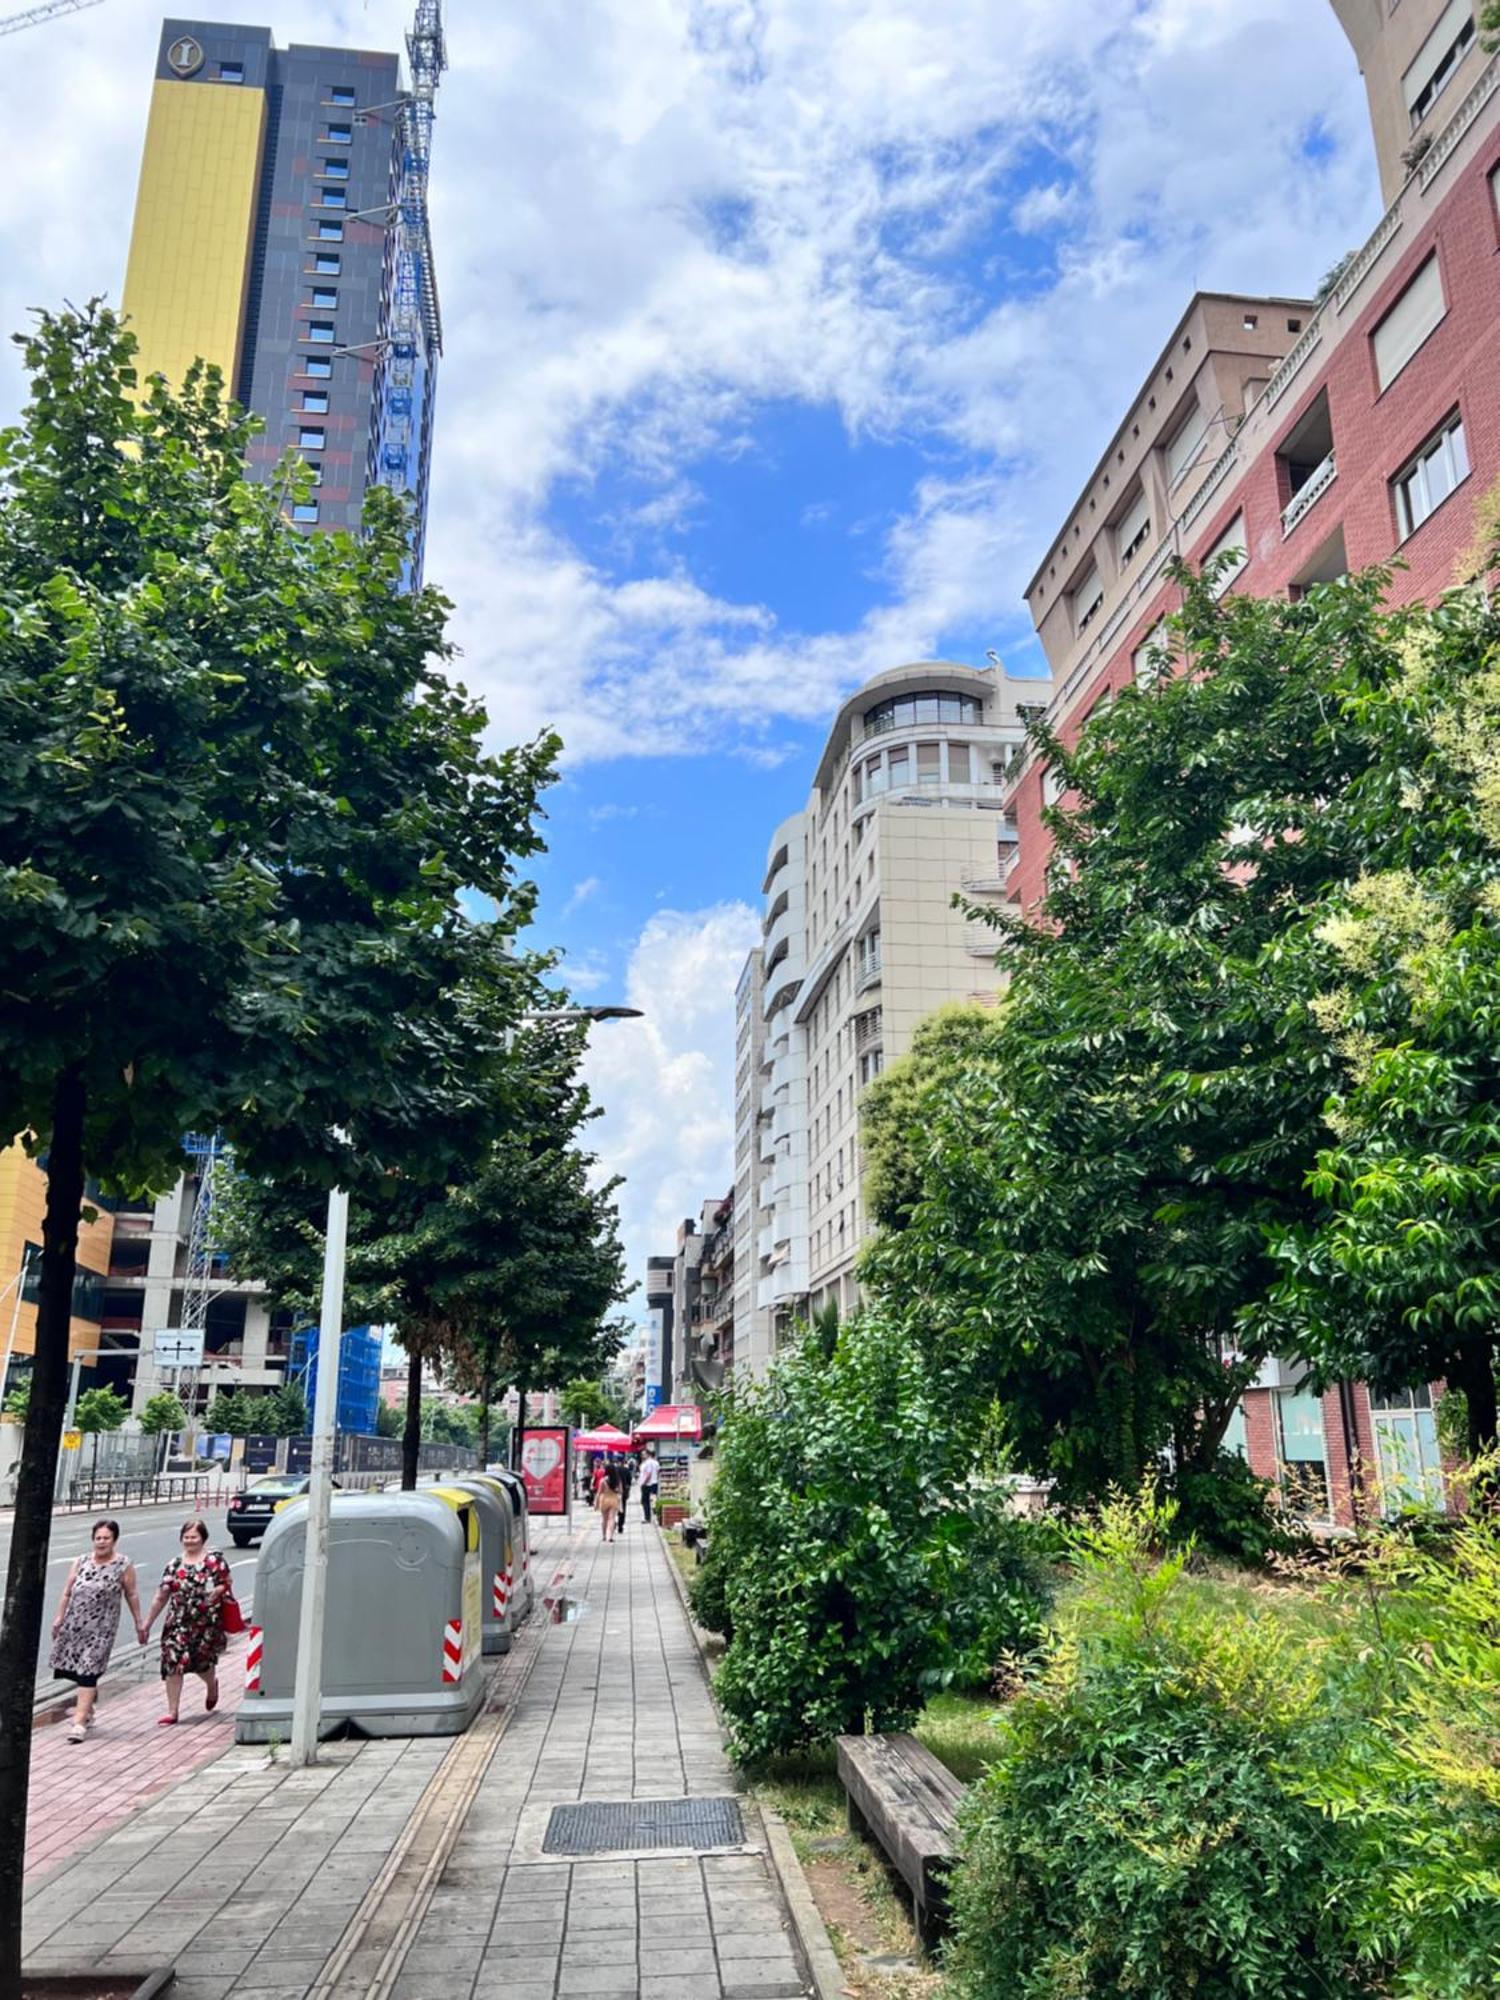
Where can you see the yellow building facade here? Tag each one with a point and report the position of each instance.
(23, 1201)
(187, 280)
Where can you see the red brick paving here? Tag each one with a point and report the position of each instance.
(80, 1790)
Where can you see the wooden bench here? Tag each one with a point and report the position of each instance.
(906, 1800)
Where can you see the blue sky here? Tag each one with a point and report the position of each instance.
(780, 334)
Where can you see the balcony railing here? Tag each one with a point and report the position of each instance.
(869, 973)
(1317, 485)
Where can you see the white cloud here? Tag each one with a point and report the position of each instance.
(581, 893)
(654, 216)
(666, 1082)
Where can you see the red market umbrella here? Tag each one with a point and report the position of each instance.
(671, 1423)
(606, 1438)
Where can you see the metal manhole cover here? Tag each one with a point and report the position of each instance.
(613, 1828)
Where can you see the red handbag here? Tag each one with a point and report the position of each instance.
(234, 1618)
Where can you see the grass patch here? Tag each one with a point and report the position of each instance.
(960, 1729)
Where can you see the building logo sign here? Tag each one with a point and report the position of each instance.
(655, 1342)
(185, 56)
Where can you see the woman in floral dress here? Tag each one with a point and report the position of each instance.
(83, 1632)
(192, 1590)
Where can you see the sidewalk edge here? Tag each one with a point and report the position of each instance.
(807, 1919)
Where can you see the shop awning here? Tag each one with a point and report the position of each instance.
(606, 1438)
(671, 1423)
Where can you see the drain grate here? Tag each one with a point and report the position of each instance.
(596, 1827)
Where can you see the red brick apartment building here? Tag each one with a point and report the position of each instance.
(1316, 437)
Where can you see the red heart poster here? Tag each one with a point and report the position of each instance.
(544, 1467)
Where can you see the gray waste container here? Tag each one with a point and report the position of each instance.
(403, 1627)
(515, 1486)
(497, 1550)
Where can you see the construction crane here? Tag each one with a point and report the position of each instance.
(209, 1154)
(32, 17)
(411, 340)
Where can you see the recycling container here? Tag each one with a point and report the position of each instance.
(497, 1552)
(515, 1486)
(403, 1623)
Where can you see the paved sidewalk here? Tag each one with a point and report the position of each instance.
(414, 1870)
(81, 1790)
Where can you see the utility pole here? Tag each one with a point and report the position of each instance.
(307, 1693)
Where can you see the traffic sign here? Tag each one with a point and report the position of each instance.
(177, 1347)
(72, 1440)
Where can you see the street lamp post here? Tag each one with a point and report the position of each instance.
(307, 1693)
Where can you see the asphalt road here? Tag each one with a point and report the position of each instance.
(148, 1535)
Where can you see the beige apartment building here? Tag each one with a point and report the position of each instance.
(1419, 59)
(860, 941)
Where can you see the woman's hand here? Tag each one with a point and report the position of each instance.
(57, 1624)
(142, 1632)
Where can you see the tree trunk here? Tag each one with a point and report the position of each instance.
(411, 1436)
(26, 1583)
(518, 1434)
(486, 1390)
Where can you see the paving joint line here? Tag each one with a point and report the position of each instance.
(451, 1792)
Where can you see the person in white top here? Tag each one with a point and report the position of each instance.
(649, 1479)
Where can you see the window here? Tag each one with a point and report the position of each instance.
(871, 1063)
(1231, 542)
(304, 510)
(231, 72)
(325, 296)
(1133, 528)
(1408, 323)
(959, 770)
(1148, 662)
(1186, 442)
(316, 365)
(339, 135)
(874, 777)
(1406, 1445)
(312, 437)
(327, 263)
(1431, 476)
(1252, 321)
(1088, 595)
(1437, 59)
(909, 711)
(333, 198)
(330, 232)
(315, 470)
(341, 94)
(929, 763)
(320, 330)
(315, 400)
(335, 170)
(898, 767)
(1303, 1454)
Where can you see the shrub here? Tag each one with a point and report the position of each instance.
(1137, 1835)
(1004, 1592)
(1227, 1509)
(835, 1551)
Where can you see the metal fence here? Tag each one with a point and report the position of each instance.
(167, 1488)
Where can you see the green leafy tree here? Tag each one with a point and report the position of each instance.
(1078, 1217)
(584, 1403)
(388, 1421)
(99, 1410)
(1397, 1277)
(242, 799)
(18, 1402)
(163, 1413)
(229, 1413)
(287, 1414)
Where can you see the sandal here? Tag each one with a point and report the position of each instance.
(166, 1721)
(78, 1733)
(211, 1699)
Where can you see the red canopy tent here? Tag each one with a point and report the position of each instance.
(671, 1423)
(606, 1438)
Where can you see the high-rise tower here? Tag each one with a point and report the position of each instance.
(281, 233)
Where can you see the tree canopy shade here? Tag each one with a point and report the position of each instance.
(242, 798)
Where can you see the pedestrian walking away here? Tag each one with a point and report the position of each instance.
(192, 1591)
(608, 1503)
(83, 1632)
(627, 1480)
(650, 1479)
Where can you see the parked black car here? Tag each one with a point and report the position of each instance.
(250, 1512)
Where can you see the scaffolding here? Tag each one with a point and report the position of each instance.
(208, 1154)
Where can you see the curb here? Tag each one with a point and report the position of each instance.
(796, 1891)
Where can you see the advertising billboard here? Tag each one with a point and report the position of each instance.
(544, 1467)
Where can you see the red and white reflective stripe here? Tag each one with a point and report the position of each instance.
(252, 1661)
(526, 1565)
(501, 1593)
(453, 1652)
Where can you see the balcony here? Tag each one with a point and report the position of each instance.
(869, 974)
(1305, 498)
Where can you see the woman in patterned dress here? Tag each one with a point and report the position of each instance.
(83, 1632)
(192, 1589)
